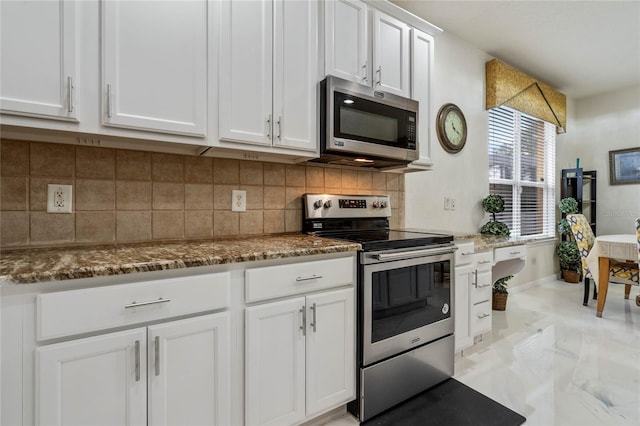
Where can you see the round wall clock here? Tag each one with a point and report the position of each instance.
(451, 128)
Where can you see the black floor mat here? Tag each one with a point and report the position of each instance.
(450, 403)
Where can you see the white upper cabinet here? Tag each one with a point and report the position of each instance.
(367, 46)
(421, 83)
(345, 38)
(154, 65)
(268, 73)
(38, 76)
(390, 54)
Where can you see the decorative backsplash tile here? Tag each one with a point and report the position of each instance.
(125, 196)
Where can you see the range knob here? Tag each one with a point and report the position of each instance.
(327, 204)
(383, 204)
(376, 204)
(317, 204)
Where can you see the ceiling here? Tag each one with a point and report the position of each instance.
(580, 48)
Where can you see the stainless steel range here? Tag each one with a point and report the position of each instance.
(405, 294)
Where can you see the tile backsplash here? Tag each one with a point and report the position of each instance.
(125, 196)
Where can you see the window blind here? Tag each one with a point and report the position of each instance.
(522, 171)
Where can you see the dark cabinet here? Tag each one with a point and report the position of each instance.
(581, 185)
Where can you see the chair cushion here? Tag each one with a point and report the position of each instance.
(623, 273)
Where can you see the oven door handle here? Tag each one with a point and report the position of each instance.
(415, 253)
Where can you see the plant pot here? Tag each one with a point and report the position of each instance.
(499, 301)
(572, 277)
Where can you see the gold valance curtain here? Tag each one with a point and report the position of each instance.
(510, 87)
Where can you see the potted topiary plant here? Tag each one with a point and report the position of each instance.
(500, 294)
(567, 250)
(494, 204)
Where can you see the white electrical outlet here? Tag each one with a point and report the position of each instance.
(59, 198)
(452, 203)
(238, 200)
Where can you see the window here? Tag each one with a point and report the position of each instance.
(522, 170)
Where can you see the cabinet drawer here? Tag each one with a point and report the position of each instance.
(272, 282)
(465, 253)
(512, 252)
(480, 320)
(484, 260)
(480, 287)
(71, 312)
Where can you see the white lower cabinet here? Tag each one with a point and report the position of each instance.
(300, 357)
(181, 368)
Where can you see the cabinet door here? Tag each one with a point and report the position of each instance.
(345, 40)
(97, 380)
(155, 65)
(421, 83)
(296, 74)
(275, 363)
(38, 71)
(463, 280)
(189, 367)
(331, 357)
(245, 71)
(390, 54)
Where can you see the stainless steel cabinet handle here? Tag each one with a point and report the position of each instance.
(475, 281)
(269, 127)
(310, 277)
(483, 316)
(467, 253)
(109, 100)
(157, 355)
(313, 320)
(70, 94)
(514, 252)
(482, 286)
(149, 302)
(137, 346)
(279, 123)
(364, 71)
(379, 75)
(482, 262)
(303, 326)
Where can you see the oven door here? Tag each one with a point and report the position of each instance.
(407, 298)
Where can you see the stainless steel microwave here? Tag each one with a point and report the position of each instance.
(362, 126)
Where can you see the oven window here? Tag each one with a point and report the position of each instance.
(374, 122)
(408, 298)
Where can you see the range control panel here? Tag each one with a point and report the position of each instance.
(327, 206)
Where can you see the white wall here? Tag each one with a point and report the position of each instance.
(459, 79)
(601, 124)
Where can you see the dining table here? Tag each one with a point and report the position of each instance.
(622, 247)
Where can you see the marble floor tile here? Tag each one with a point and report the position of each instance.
(550, 359)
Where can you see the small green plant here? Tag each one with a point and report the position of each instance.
(569, 255)
(500, 286)
(564, 228)
(494, 204)
(568, 205)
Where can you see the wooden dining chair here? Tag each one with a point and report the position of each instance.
(620, 272)
(638, 238)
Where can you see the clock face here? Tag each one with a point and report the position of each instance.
(451, 127)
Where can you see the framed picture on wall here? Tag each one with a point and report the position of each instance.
(624, 166)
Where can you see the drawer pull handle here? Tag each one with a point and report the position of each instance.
(484, 285)
(137, 346)
(475, 280)
(514, 252)
(483, 316)
(310, 277)
(482, 262)
(467, 253)
(313, 323)
(149, 302)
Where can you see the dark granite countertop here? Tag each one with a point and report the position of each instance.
(46, 264)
